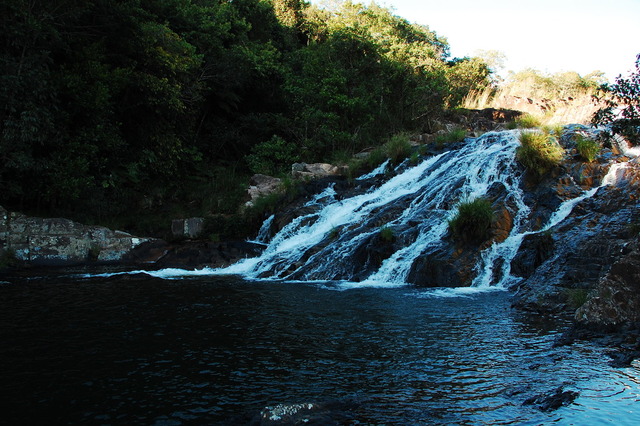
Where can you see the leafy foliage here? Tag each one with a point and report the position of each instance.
(273, 157)
(472, 221)
(622, 109)
(114, 109)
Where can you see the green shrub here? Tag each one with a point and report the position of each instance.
(375, 158)
(539, 152)
(587, 148)
(415, 158)
(387, 235)
(224, 227)
(455, 135)
(397, 148)
(527, 121)
(472, 221)
(273, 157)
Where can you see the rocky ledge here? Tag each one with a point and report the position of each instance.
(60, 242)
(33, 241)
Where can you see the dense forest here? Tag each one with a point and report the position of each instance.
(121, 112)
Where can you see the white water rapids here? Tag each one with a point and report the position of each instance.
(416, 204)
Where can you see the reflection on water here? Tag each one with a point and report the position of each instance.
(137, 349)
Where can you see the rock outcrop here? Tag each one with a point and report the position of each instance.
(316, 170)
(56, 242)
(615, 300)
(187, 228)
(262, 186)
(190, 254)
(559, 268)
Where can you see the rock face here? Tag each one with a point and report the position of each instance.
(615, 300)
(38, 241)
(189, 228)
(191, 254)
(315, 170)
(262, 185)
(560, 268)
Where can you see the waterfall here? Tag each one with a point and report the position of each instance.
(416, 205)
(504, 252)
(340, 239)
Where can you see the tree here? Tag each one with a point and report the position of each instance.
(622, 104)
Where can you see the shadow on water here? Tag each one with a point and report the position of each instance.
(221, 350)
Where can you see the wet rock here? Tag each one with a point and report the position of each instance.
(534, 251)
(585, 246)
(615, 300)
(192, 254)
(552, 400)
(445, 266)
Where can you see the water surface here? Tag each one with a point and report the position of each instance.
(133, 349)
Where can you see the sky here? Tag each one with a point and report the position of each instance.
(547, 35)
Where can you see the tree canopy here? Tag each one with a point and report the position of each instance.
(113, 107)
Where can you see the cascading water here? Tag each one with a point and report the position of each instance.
(415, 205)
(335, 241)
(341, 239)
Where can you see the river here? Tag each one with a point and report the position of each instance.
(81, 348)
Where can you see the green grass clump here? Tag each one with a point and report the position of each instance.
(539, 152)
(397, 148)
(334, 233)
(576, 297)
(587, 148)
(527, 121)
(386, 234)
(472, 222)
(455, 135)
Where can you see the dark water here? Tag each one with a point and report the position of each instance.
(212, 350)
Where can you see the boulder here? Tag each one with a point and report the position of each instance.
(262, 186)
(315, 170)
(189, 228)
(552, 400)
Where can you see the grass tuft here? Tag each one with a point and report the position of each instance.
(472, 222)
(397, 148)
(527, 121)
(539, 152)
(455, 135)
(387, 235)
(587, 148)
